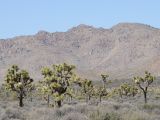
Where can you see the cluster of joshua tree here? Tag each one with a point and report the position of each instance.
(60, 82)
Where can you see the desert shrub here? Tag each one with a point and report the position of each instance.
(136, 115)
(44, 114)
(60, 112)
(13, 114)
(81, 108)
(111, 116)
(150, 107)
(66, 109)
(75, 116)
(116, 107)
(98, 115)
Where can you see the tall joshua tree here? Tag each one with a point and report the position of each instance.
(144, 82)
(19, 82)
(59, 78)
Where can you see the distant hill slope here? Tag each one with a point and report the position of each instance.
(122, 51)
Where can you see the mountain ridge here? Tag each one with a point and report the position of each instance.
(124, 50)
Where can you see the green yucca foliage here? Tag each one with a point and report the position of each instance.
(144, 82)
(18, 81)
(70, 93)
(57, 80)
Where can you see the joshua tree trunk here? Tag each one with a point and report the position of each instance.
(70, 98)
(100, 98)
(21, 100)
(145, 96)
(145, 93)
(120, 94)
(48, 100)
(89, 97)
(59, 103)
(86, 97)
(31, 98)
(104, 85)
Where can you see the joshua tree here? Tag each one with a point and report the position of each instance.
(31, 91)
(125, 89)
(101, 92)
(18, 81)
(116, 91)
(133, 90)
(128, 90)
(70, 93)
(44, 86)
(58, 80)
(87, 88)
(104, 79)
(144, 82)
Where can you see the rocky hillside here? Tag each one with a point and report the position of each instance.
(122, 51)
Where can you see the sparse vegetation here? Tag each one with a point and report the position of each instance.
(79, 96)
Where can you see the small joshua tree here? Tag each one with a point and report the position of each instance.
(127, 90)
(44, 86)
(87, 88)
(31, 91)
(104, 79)
(70, 93)
(18, 81)
(133, 90)
(144, 82)
(101, 92)
(57, 80)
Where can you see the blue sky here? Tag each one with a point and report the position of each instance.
(23, 17)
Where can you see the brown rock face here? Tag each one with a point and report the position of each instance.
(122, 51)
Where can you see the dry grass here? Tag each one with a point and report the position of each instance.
(107, 110)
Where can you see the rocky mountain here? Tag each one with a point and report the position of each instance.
(125, 50)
